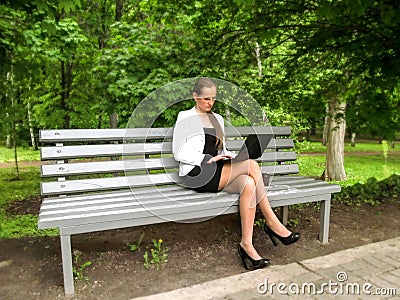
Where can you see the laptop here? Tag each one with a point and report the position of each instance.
(253, 146)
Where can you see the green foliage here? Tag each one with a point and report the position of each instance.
(79, 267)
(293, 222)
(372, 191)
(77, 62)
(158, 255)
(281, 117)
(259, 222)
(22, 226)
(135, 247)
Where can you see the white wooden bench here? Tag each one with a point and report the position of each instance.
(101, 179)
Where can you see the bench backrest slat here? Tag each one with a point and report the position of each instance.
(108, 183)
(139, 164)
(116, 159)
(104, 150)
(125, 182)
(280, 169)
(88, 135)
(108, 150)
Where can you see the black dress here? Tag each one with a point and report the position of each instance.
(205, 178)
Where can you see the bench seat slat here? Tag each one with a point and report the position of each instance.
(112, 194)
(180, 217)
(159, 195)
(114, 204)
(187, 217)
(198, 201)
(156, 197)
(63, 220)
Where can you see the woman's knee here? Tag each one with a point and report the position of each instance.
(249, 184)
(254, 167)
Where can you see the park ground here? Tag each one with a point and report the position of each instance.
(199, 252)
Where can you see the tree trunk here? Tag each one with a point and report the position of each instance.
(353, 139)
(66, 84)
(118, 10)
(16, 155)
(325, 130)
(114, 120)
(13, 136)
(100, 120)
(334, 167)
(118, 16)
(31, 131)
(259, 62)
(260, 74)
(9, 144)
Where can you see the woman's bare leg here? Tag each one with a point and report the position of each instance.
(251, 168)
(245, 185)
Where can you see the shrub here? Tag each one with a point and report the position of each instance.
(372, 192)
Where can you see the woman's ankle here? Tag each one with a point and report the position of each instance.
(278, 228)
(250, 250)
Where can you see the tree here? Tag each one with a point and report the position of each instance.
(362, 36)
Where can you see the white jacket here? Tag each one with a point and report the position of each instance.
(189, 139)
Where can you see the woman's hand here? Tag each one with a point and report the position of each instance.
(219, 157)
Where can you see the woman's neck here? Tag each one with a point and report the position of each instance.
(205, 120)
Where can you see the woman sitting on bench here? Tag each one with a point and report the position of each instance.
(205, 165)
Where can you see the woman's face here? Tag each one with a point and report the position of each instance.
(205, 101)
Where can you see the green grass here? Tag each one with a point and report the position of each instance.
(12, 226)
(358, 168)
(317, 147)
(23, 154)
(11, 189)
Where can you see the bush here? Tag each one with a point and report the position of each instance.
(372, 192)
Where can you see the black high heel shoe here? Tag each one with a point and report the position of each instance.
(292, 238)
(254, 264)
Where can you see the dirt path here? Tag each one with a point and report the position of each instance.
(21, 164)
(30, 268)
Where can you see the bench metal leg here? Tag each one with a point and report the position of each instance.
(284, 214)
(324, 226)
(67, 264)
